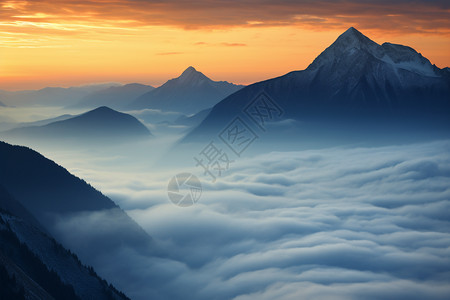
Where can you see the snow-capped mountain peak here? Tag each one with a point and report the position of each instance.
(353, 47)
(354, 81)
(346, 45)
(352, 38)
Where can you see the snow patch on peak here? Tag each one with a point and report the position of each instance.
(404, 57)
(399, 52)
(352, 42)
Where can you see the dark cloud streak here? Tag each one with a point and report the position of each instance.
(404, 16)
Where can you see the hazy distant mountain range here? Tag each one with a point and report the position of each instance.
(189, 93)
(50, 96)
(99, 125)
(45, 121)
(354, 82)
(116, 97)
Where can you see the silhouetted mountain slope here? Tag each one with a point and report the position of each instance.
(17, 284)
(49, 187)
(9, 288)
(41, 266)
(11, 205)
(99, 125)
(1, 104)
(116, 97)
(355, 81)
(76, 214)
(188, 94)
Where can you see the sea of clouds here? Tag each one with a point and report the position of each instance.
(338, 223)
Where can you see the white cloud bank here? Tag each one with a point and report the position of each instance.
(360, 223)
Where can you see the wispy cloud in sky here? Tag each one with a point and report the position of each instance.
(423, 16)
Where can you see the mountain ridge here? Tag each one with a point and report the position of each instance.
(116, 97)
(50, 96)
(189, 93)
(350, 82)
(102, 124)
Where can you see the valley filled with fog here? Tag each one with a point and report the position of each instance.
(332, 223)
(336, 222)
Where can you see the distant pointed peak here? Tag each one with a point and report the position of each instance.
(189, 70)
(191, 74)
(101, 110)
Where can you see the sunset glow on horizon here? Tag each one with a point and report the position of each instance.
(70, 43)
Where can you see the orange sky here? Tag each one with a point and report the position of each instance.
(69, 42)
